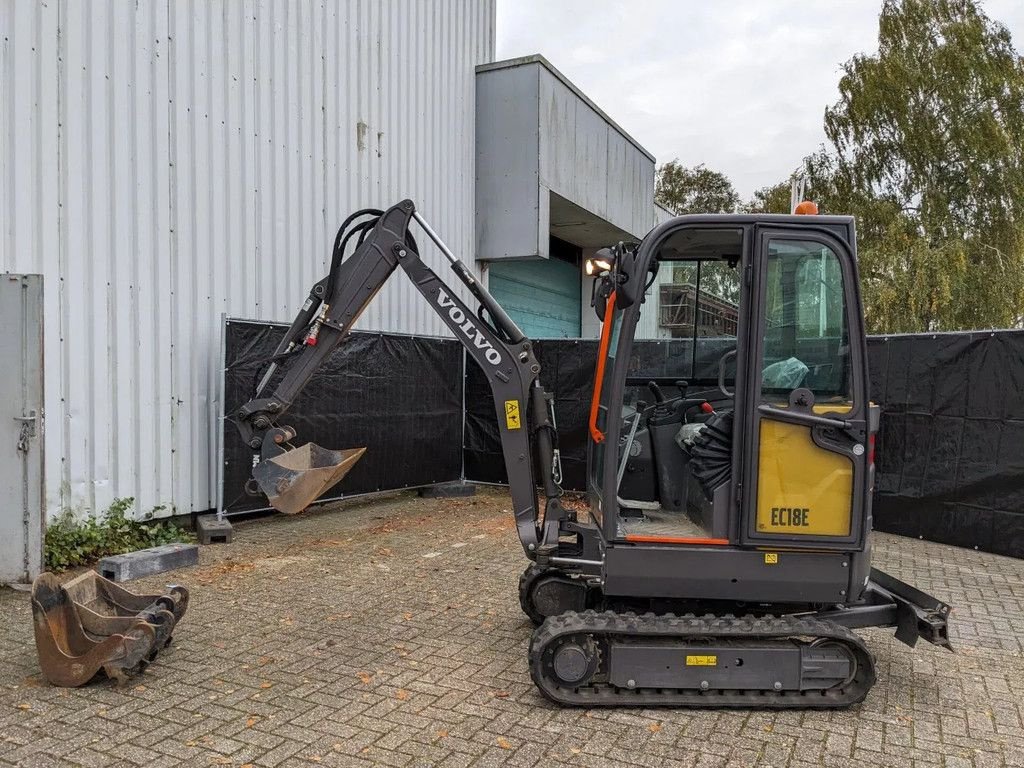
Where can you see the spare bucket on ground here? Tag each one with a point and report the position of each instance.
(91, 624)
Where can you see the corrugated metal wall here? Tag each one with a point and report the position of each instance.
(168, 161)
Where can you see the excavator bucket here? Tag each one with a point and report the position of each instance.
(105, 608)
(296, 478)
(75, 641)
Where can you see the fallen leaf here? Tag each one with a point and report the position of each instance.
(140, 688)
(364, 677)
(25, 707)
(654, 727)
(265, 684)
(402, 695)
(441, 734)
(287, 621)
(504, 743)
(575, 750)
(407, 616)
(251, 722)
(264, 660)
(314, 758)
(500, 694)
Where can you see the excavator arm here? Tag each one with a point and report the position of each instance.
(293, 478)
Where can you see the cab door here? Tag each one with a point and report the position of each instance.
(806, 448)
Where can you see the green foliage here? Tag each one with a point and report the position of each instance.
(773, 199)
(928, 152)
(694, 190)
(71, 541)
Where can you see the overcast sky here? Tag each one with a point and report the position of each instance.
(741, 85)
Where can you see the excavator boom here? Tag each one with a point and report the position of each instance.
(292, 478)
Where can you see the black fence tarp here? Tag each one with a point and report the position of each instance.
(951, 443)
(950, 452)
(401, 396)
(950, 448)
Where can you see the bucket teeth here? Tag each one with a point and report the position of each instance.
(91, 624)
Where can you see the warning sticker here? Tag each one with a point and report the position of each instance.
(702, 661)
(771, 558)
(512, 420)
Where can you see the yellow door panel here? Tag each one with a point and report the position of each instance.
(802, 489)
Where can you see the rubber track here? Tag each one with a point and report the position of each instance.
(610, 625)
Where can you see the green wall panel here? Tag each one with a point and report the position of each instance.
(541, 295)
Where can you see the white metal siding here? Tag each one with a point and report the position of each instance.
(167, 161)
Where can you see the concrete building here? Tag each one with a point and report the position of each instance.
(168, 163)
(556, 178)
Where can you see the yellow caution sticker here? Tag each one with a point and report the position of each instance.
(512, 420)
(771, 558)
(702, 661)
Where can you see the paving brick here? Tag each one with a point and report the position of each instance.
(288, 619)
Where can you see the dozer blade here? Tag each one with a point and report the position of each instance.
(295, 479)
(68, 655)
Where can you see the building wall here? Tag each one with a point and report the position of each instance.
(166, 162)
(550, 162)
(540, 295)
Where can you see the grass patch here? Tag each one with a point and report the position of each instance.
(71, 541)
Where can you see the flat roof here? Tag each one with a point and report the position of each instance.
(538, 59)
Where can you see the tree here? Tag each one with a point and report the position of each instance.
(928, 151)
(773, 199)
(694, 190)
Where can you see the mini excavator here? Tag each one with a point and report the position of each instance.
(726, 557)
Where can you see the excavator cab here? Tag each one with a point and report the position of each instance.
(735, 389)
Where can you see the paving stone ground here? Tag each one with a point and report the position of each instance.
(389, 632)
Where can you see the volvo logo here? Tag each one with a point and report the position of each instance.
(458, 317)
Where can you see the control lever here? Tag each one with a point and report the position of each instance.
(659, 396)
(682, 385)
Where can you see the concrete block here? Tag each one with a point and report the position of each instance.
(210, 530)
(145, 562)
(448, 490)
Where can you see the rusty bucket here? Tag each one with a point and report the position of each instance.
(296, 478)
(92, 624)
(106, 608)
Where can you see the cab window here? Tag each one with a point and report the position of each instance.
(806, 335)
